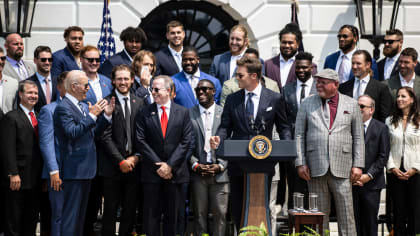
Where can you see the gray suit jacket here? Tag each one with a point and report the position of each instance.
(8, 70)
(394, 83)
(198, 154)
(10, 87)
(339, 148)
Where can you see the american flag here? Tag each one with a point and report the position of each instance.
(106, 43)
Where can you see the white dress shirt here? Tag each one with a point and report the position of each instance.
(122, 101)
(177, 57)
(96, 86)
(347, 63)
(363, 83)
(233, 60)
(26, 111)
(211, 111)
(193, 79)
(389, 65)
(410, 83)
(167, 109)
(255, 98)
(308, 87)
(285, 68)
(41, 80)
(366, 124)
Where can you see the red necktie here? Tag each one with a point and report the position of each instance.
(163, 121)
(34, 123)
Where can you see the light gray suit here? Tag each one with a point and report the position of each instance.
(10, 87)
(210, 193)
(10, 71)
(330, 154)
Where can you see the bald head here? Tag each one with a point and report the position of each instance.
(14, 46)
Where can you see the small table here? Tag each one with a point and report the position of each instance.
(305, 218)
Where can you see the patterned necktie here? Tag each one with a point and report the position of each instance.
(127, 124)
(207, 130)
(47, 91)
(81, 108)
(34, 122)
(302, 93)
(163, 121)
(22, 71)
(341, 70)
(249, 110)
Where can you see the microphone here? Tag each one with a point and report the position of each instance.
(263, 124)
(251, 122)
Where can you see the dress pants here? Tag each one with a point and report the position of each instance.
(119, 191)
(182, 208)
(76, 196)
(45, 209)
(236, 198)
(366, 208)
(406, 205)
(94, 204)
(341, 190)
(160, 198)
(56, 201)
(210, 197)
(21, 211)
(295, 184)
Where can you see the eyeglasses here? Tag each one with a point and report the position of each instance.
(92, 59)
(344, 36)
(203, 89)
(240, 76)
(3, 58)
(363, 106)
(389, 41)
(44, 59)
(156, 90)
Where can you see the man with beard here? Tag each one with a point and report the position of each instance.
(168, 59)
(15, 67)
(134, 40)
(363, 83)
(340, 61)
(223, 66)
(68, 58)
(388, 66)
(186, 81)
(8, 88)
(22, 163)
(281, 68)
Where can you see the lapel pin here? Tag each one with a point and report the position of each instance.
(153, 113)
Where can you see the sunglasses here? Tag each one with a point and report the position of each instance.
(92, 59)
(156, 90)
(363, 106)
(45, 59)
(389, 41)
(344, 36)
(203, 89)
(3, 58)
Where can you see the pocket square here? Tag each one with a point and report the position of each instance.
(346, 112)
(269, 109)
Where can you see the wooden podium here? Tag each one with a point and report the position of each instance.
(256, 195)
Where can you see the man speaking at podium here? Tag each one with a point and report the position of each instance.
(250, 106)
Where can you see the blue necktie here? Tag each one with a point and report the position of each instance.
(249, 110)
(81, 108)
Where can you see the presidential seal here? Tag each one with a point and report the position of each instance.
(260, 147)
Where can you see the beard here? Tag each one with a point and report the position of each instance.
(390, 52)
(346, 47)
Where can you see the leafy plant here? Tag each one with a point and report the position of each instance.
(254, 231)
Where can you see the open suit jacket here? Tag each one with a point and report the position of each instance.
(154, 148)
(106, 87)
(395, 71)
(120, 58)
(394, 83)
(199, 155)
(165, 63)
(337, 149)
(114, 138)
(42, 100)
(10, 71)
(63, 61)
(378, 91)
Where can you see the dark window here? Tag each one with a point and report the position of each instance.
(206, 27)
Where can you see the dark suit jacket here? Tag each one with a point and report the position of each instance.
(63, 61)
(272, 70)
(376, 153)
(143, 93)
(20, 149)
(331, 63)
(154, 148)
(234, 125)
(395, 71)
(289, 96)
(165, 63)
(114, 138)
(378, 91)
(394, 84)
(120, 58)
(42, 100)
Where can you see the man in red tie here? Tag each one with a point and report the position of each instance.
(22, 163)
(163, 139)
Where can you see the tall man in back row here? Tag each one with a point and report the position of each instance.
(254, 102)
(330, 148)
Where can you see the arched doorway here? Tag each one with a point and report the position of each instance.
(206, 27)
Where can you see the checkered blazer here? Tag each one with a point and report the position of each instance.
(339, 148)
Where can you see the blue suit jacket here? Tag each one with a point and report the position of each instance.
(120, 58)
(331, 62)
(76, 134)
(106, 87)
(184, 94)
(48, 142)
(63, 61)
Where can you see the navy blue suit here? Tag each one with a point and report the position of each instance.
(120, 58)
(184, 93)
(331, 63)
(165, 63)
(143, 93)
(106, 87)
(76, 132)
(48, 143)
(63, 61)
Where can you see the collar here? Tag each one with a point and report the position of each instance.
(367, 122)
(394, 58)
(173, 52)
(308, 82)
(72, 99)
(411, 80)
(292, 59)
(94, 80)
(24, 109)
(366, 79)
(13, 61)
(42, 78)
(348, 55)
(195, 75)
(167, 105)
(210, 109)
(128, 55)
(256, 91)
(240, 54)
(121, 96)
(334, 99)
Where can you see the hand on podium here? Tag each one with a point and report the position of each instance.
(214, 142)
